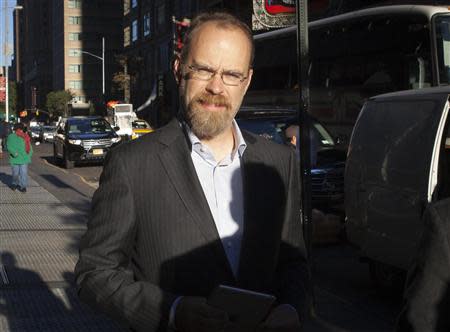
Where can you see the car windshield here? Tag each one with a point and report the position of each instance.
(48, 129)
(35, 129)
(89, 126)
(139, 125)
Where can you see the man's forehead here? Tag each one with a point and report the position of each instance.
(213, 33)
(213, 27)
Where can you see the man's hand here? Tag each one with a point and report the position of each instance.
(283, 318)
(193, 314)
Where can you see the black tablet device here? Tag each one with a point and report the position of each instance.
(244, 307)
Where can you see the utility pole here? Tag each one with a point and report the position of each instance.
(5, 52)
(103, 68)
(305, 128)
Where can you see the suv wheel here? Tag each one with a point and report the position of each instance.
(68, 163)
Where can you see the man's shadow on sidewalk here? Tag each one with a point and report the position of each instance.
(26, 300)
(6, 179)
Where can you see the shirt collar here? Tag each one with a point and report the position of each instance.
(240, 144)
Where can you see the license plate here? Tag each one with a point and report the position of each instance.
(97, 151)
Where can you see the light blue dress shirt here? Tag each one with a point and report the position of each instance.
(223, 188)
(222, 185)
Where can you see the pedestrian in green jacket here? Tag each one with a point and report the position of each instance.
(20, 151)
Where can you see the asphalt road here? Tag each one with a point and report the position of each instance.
(74, 187)
(346, 298)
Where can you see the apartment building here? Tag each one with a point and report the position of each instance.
(60, 43)
(33, 39)
(86, 37)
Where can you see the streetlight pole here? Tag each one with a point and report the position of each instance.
(103, 66)
(102, 58)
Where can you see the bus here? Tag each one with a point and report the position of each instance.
(354, 56)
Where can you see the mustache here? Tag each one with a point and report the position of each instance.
(206, 98)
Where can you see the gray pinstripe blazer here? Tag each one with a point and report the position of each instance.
(151, 236)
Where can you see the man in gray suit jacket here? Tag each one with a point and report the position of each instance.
(197, 204)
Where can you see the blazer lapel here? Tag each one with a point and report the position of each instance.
(180, 169)
(257, 247)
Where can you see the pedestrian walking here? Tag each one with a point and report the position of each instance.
(198, 204)
(20, 151)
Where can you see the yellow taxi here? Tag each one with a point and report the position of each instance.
(140, 127)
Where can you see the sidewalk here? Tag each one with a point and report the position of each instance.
(38, 250)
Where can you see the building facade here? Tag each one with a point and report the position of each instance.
(60, 43)
(33, 39)
(86, 37)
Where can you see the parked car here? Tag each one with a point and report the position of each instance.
(35, 133)
(398, 162)
(47, 133)
(83, 139)
(327, 175)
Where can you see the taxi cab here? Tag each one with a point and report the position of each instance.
(140, 127)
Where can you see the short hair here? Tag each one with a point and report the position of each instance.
(291, 131)
(18, 125)
(223, 20)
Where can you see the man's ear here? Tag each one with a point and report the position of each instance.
(176, 68)
(249, 79)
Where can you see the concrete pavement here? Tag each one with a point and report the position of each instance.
(38, 250)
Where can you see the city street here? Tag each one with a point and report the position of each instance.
(39, 234)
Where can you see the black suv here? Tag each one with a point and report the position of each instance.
(82, 139)
(327, 174)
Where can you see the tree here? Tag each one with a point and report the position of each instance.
(12, 93)
(56, 102)
(127, 78)
(122, 79)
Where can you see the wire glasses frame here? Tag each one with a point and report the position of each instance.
(206, 74)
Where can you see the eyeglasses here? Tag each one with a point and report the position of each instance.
(205, 74)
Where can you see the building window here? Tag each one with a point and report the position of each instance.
(74, 68)
(75, 20)
(146, 24)
(77, 85)
(126, 6)
(161, 15)
(126, 36)
(74, 52)
(74, 35)
(134, 3)
(74, 3)
(134, 31)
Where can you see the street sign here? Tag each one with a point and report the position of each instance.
(2, 89)
(273, 14)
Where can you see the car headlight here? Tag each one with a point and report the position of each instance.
(115, 139)
(75, 141)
